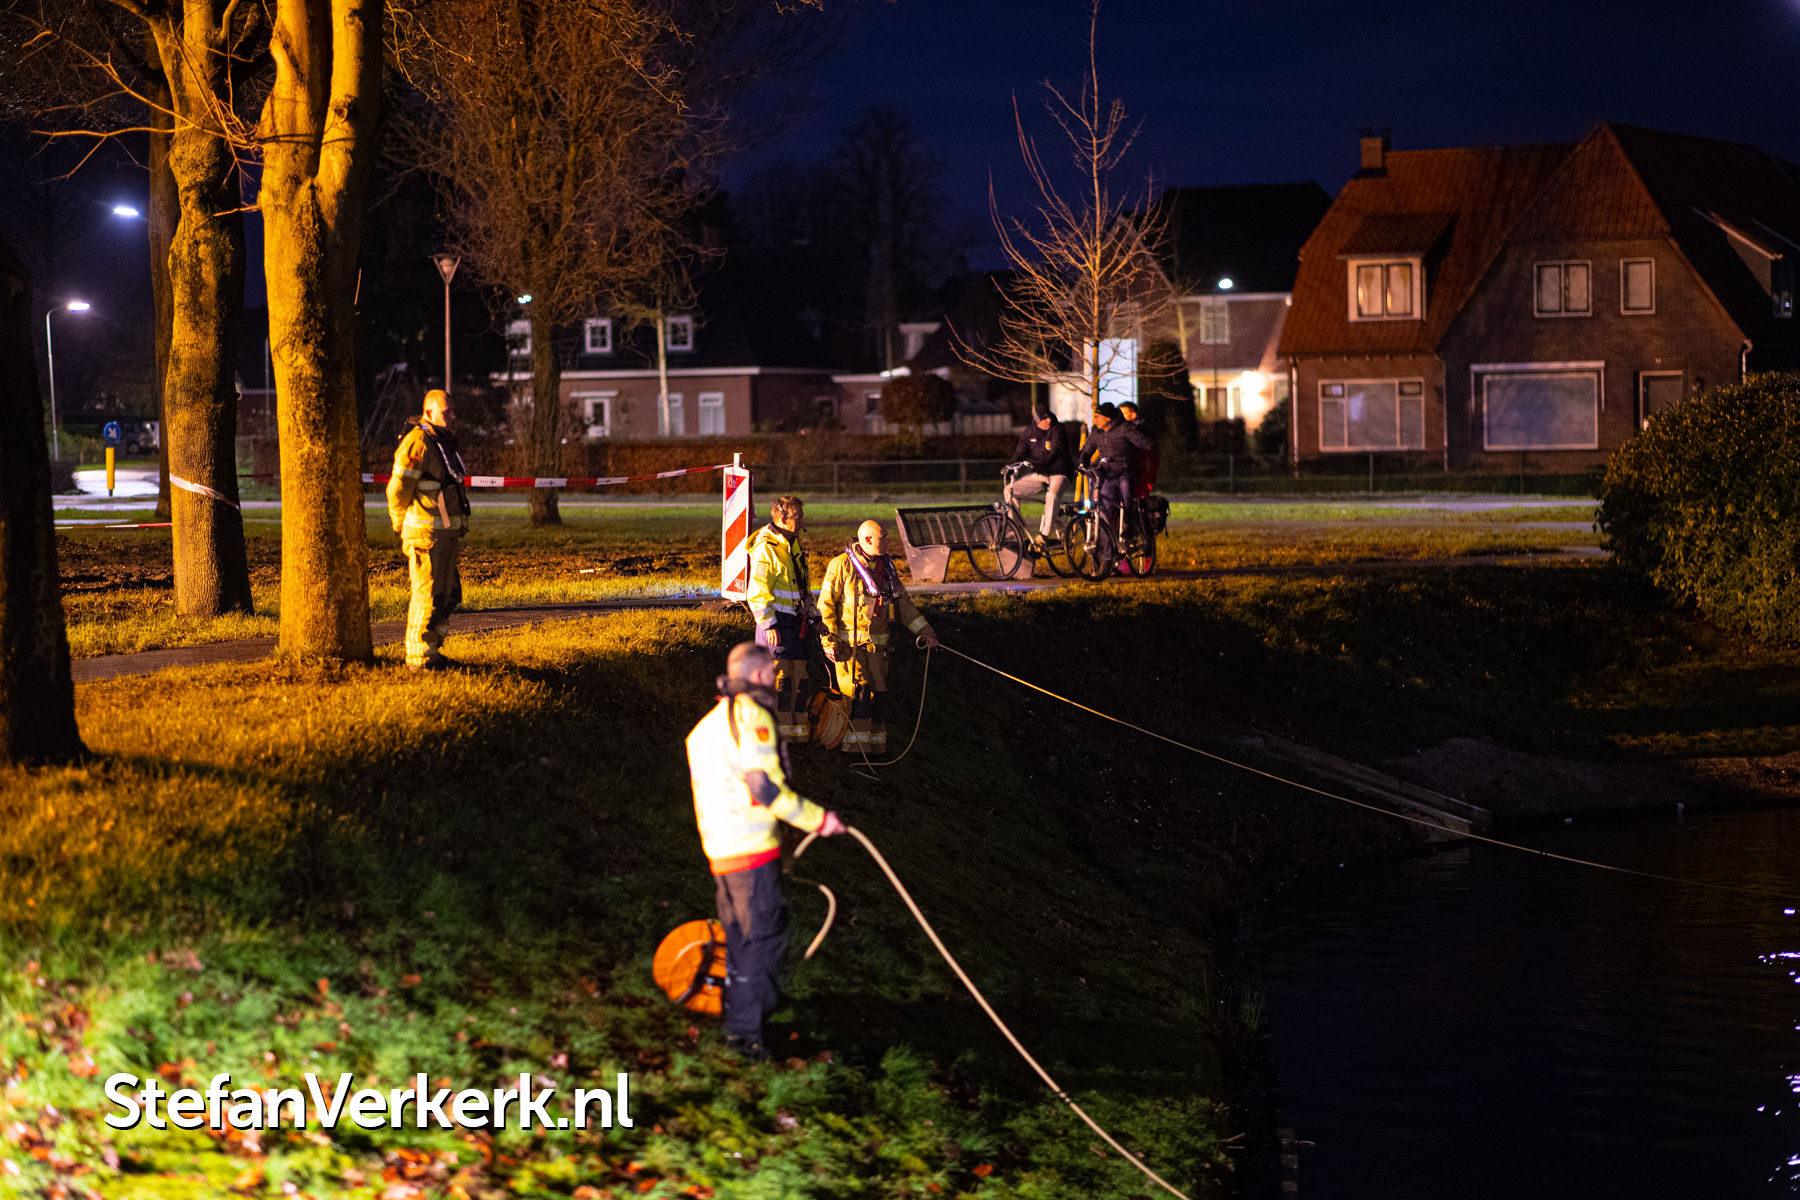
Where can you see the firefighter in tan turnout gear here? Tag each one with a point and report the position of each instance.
(780, 598)
(859, 602)
(429, 508)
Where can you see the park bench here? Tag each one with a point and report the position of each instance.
(931, 535)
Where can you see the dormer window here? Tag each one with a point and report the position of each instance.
(1386, 290)
(518, 337)
(596, 335)
(680, 333)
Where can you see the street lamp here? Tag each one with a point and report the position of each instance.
(50, 355)
(125, 210)
(446, 265)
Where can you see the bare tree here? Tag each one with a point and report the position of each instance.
(37, 695)
(1085, 283)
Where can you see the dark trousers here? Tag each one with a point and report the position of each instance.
(793, 688)
(1115, 493)
(756, 934)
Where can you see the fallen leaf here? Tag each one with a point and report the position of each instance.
(407, 981)
(324, 986)
(984, 1170)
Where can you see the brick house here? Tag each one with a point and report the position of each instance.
(1232, 253)
(1536, 304)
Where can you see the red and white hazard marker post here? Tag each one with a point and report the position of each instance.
(734, 541)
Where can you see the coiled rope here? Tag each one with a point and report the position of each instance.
(924, 682)
(974, 991)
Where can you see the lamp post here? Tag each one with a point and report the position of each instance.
(50, 357)
(1225, 285)
(446, 265)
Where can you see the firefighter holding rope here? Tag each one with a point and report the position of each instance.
(860, 600)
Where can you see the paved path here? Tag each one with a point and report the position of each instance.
(145, 662)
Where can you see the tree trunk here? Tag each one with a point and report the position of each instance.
(320, 128)
(206, 286)
(160, 219)
(545, 438)
(37, 696)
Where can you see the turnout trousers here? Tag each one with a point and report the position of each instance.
(863, 678)
(431, 567)
(793, 685)
(755, 917)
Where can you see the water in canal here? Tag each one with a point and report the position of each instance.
(1482, 1023)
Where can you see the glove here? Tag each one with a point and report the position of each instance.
(834, 649)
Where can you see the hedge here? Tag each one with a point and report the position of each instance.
(1705, 504)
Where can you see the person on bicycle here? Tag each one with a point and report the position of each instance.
(1045, 448)
(1112, 450)
(1152, 459)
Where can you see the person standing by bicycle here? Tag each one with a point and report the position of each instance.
(1045, 448)
(1152, 459)
(1112, 450)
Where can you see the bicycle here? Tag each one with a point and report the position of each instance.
(1093, 546)
(999, 541)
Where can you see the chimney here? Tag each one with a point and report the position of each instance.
(1374, 153)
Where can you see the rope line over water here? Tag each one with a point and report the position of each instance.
(1759, 893)
(974, 991)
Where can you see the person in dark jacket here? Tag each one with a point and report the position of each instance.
(1046, 448)
(1148, 466)
(1113, 449)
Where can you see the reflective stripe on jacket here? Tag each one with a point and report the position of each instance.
(854, 617)
(736, 831)
(424, 493)
(778, 581)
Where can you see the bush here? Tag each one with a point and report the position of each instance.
(1705, 504)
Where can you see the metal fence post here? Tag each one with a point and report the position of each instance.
(962, 474)
(1231, 474)
(1371, 472)
(835, 490)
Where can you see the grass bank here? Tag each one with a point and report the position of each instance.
(279, 869)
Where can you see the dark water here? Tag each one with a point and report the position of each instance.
(1483, 1023)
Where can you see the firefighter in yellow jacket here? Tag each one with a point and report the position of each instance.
(780, 598)
(738, 767)
(429, 509)
(860, 600)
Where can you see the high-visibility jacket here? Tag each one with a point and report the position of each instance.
(778, 579)
(737, 831)
(425, 492)
(854, 616)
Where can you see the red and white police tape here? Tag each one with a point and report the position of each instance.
(510, 481)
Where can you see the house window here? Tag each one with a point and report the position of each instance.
(1215, 322)
(1658, 390)
(1781, 285)
(1637, 285)
(596, 333)
(677, 416)
(871, 412)
(1372, 414)
(712, 413)
(1384, 291)
(596, 411)
(518, 337)
(1541, 409)
(1563, 289)
(680, 333)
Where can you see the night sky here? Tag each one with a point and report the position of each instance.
(1247, 91)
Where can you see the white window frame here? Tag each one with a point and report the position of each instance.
(1395, 447)
(871, 411)
(596, 335)
(677, 415)
(518, 338)
(1215, 311)
(1417, 297)
(712, 404)
(679, 334)
(1479, 373)
(1624, 292)
(591, 403)
(1562, 266)
(1644, 378)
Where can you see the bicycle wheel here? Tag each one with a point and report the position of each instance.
(996, 547)
(1090, 547)
(1141, 552)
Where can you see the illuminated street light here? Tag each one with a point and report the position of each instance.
(1226, 284)
(50, 356)
(125, 210)
(525, 298)
(446, 265)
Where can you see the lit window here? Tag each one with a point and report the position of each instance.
(1215, 322)
(1563, 290)
(1781, 286)
(1384, 291)
(681, 333)
(1637, 285)
(712, 413)
(597, 335)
